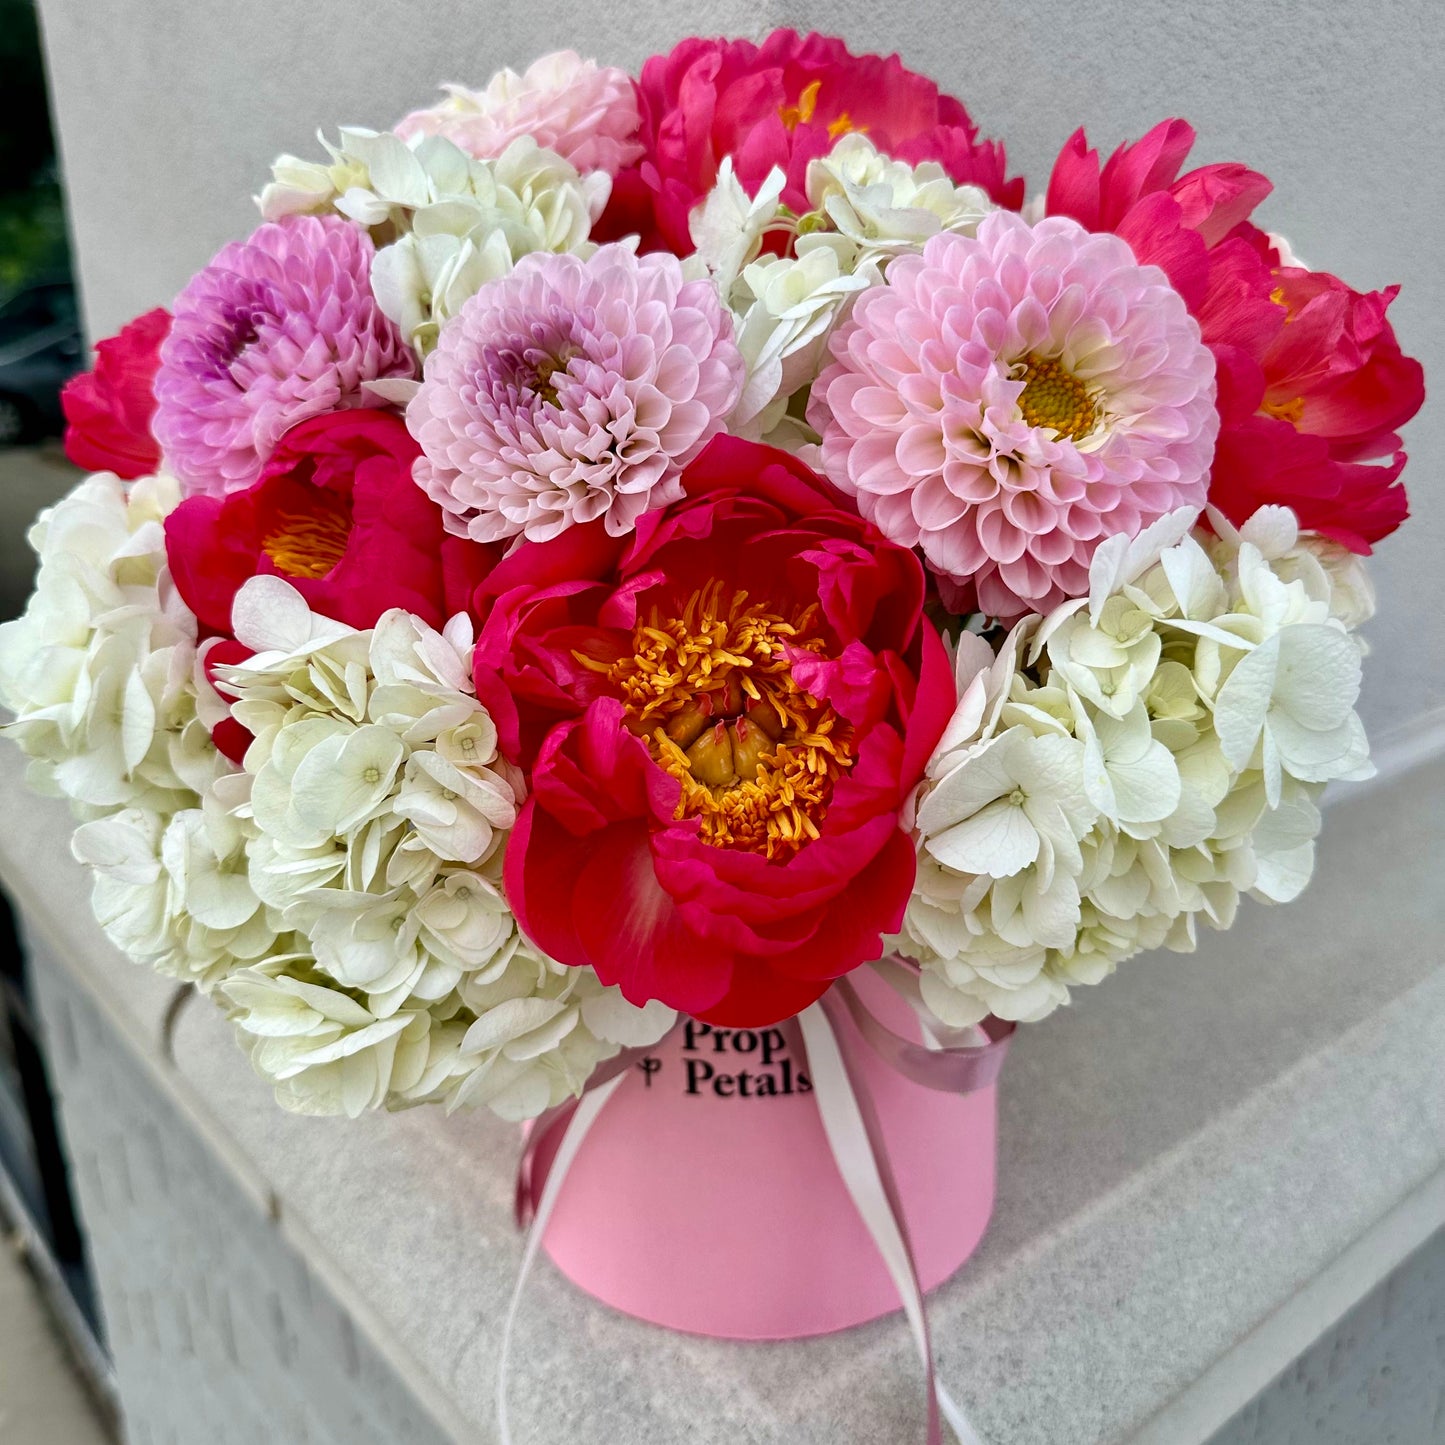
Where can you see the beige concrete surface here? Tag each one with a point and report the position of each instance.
(42, 1401)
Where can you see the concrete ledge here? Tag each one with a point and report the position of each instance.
(1202, 1162)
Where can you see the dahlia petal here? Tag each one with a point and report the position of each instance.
(257, 347)
(642, 370)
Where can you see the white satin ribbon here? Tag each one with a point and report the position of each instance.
(589, 1106)
(858, 1164)
(861, 1157)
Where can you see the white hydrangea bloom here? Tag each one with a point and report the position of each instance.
(886, 206)
(325, 1052)
(445, 224)
(175, 894)
(787, 309)
(378, 809)
(1126, 767)
(867, 208)
(100, 671)
(541, 1028)
(729, 226)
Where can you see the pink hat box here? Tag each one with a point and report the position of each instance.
(705, 1197)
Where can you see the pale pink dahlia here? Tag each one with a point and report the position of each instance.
(585, 112)
(1005, 402)
(276, 329)
(569, 390)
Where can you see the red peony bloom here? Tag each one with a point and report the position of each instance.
(336, 513)
(722, 716)
(784, 102)
(108, 411)
(1312, 383)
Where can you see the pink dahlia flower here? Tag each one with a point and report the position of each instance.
(585, 112)
(1006, 402)
(276, 329)
(572, 390)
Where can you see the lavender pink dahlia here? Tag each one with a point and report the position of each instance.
(572, 390)
(278, 328)
(1006, 401)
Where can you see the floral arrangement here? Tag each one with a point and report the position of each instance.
(608, 548)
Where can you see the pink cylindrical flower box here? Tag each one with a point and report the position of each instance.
(705, 1197)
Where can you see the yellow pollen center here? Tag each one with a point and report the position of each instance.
(310, 542)
(712, 693)
(802, 113)
(1054, 398)
(1281, 300)
(1292, 409)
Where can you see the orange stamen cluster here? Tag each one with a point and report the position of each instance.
(310, 541)
(712, 692)
(801, 114)
(793, 116)
(1292, 409)
(1054, 398)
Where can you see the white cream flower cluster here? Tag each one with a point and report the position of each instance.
(865, 208)
(1125, 767)
(445, 224)
(340, 895)
(173, 892)
(99, 673)
(377, 808)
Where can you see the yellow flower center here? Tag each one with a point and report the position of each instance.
(310, 541)
(802, 114)
(1291, 410)
(712, 693)
(1054, 398)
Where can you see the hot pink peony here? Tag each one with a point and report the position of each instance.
(336, 513)
(571, 391)
(585, 112)
(276, 329)
(1007, 402)
(784, 102)
(1312, 382)
(108, 411)
(722, 716)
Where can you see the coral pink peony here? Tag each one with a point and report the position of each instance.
(276, 329)
(108, 411)
(722, 716)
(585, 112)
(1008, 401)
(336, 513)
(570, 391)
(1313, 382)
(782, 103)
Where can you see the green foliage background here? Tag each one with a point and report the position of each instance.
(32, 212)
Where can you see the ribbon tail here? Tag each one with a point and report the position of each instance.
(583, 1116)
(534, 1165)
(856, 1141)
